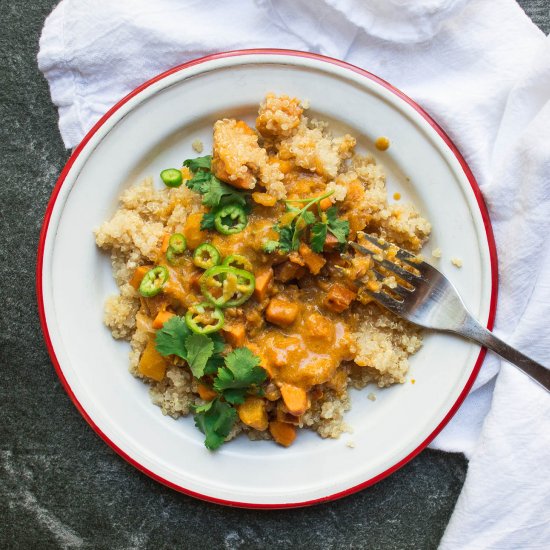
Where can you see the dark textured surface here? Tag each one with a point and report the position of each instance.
(60, 485)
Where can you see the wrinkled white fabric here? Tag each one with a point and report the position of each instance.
(482, 69)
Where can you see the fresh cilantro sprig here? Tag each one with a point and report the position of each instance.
(240, 374)
(215, 420)
(199, 350)
(290, 234)
(215, 192)
(234, 375)
(329, 222)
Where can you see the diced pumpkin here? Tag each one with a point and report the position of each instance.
(313, 261)
(235, 334)
(339, 298)
(283, 433)
(325, 204)
(152, 364)
(192, 230)
(253, 413)
(295, 399)
(263, 280)
(288, 271)
(206, 393)
(331, 242)
(161, 318)
(264, 199)
(165, 243)
(138, 275)
(281, 312)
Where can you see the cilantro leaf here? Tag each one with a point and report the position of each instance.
(207, 221)
(308, 218)
(197, 163)
(241, 370)
(318, 236)
(215, 421)
(219, 342)
(213, 364)
(285, 238)
(208, 185)
(218, 189)
(235, 396)
(339, 228)
(199, 350)
(170, 339)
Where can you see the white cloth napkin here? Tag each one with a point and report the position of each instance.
(482, 69)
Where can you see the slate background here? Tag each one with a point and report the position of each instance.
(60, 485)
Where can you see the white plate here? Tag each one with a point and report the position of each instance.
(153, 128)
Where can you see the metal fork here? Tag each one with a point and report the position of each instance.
(427, 298)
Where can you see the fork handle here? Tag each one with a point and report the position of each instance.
(474, 331)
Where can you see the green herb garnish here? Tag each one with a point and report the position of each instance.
(329, 222)
(290, 234)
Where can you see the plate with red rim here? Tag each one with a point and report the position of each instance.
(152, 128)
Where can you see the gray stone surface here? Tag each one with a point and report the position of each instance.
(60, 485)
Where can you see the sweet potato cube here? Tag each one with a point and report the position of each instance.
(331, 242)
(264, 199)
(263, 281)
(284, 434)
(295, 399)
(287, 271)
(235, 334)
(281, 313)
(192, 230)
(339, 298)
(138, 275)
(253, 413)
(206, 393)
(161, 318)
(313, 261)
(152, 364)
(165, 243)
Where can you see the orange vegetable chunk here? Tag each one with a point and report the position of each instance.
(295, 399)
(313, 261)
(152, 364)
(253, 413)
(263, 281)
(235, 334)
(206, 393)
(283, 433)
(138, 275)
(281, 312)
(161, 318)
(192, 231)
(339, 298)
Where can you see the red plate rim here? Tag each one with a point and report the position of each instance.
(291, 53)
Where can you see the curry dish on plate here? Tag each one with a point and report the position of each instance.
(241, 300)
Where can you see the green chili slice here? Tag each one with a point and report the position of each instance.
(204, 318)
(230, 219)
(177, 243)
(153, 281)
(171, 177)
(226, 286)
(238, 261)
(206, 256)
